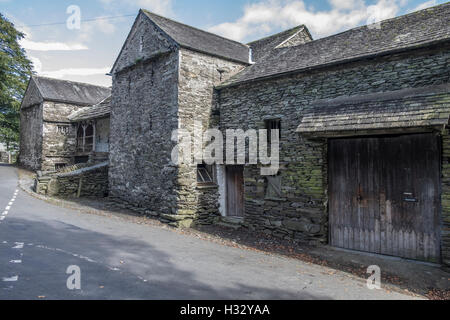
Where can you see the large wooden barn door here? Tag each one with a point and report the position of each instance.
(384, 195)
(235, 191)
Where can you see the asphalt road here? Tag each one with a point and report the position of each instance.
(123, 260)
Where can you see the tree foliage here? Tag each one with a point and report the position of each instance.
(15, 70)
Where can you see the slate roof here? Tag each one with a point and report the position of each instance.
(69, 91)
(407, 108)
(412, 30)
(263, 46)
(101, 110)
(199, 40)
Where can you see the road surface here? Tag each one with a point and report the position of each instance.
(118, 259)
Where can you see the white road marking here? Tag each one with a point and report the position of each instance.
(19, 245)
(11, 202)
(11, 279)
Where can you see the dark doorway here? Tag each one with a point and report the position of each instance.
(235, 191)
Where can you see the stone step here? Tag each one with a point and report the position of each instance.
(231, 222)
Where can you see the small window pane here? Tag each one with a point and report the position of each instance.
(205, 173)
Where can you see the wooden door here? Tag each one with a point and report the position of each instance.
(384, 195)
(235, 191)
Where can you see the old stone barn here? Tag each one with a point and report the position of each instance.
(49, 140)
(363, 118)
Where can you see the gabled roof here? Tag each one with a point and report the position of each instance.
(199, 40)
(424, 107)
(101, 110)
(69, 91)
(263, 46)
(410, 31)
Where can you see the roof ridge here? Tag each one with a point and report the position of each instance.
(70, 81)
(297, 28)
(191, 27)
(385, 20)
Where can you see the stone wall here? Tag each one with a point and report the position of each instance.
(144, 42)
(31, 137)
(85, 182)
(59, 135)
(302, 211)
(144, 112)
(198, 75)
(445, 234)
(4, 157)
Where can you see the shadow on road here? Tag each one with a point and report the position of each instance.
(111, 268)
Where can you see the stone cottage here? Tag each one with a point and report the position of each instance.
(48, 139)
(363, 119)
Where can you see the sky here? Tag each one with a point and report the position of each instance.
(86, 54)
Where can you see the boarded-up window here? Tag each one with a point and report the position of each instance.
(273, 189)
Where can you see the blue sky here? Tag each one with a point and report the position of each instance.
(88, 53)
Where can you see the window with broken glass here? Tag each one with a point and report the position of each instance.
(206, 174)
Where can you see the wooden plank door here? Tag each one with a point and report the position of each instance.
(384, 195)
(235, 191)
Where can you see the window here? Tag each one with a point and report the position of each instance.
(89, 138)
(62, 129)
(272, 124)
(273, 190)
(59, 166)
(205, 174)
(85, 138)
(141, 44)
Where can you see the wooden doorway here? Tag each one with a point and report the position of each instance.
(384, 195)
(235, 191)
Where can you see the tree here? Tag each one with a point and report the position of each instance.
(15, 71)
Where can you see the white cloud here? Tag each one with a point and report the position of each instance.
(58, 74)
(51, 46)
(267, 16)
(105, 26)
(424, 5)
(37, 64)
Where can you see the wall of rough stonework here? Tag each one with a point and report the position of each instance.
(58, 147)
(143, 114)
(301, 213)
(445, 234)
(4, 157)
(198, 75)
(85, 182)
(144, 42)
(31, 137)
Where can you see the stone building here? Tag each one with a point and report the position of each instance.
(47, 137)
(163, 79)
(363, 119)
